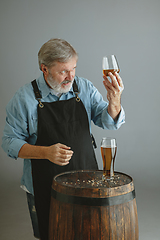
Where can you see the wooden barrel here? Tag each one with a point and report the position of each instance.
(86, 207)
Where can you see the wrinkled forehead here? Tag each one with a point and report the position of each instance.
(67, 66)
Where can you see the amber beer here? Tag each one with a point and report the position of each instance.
(106, 71)
(108, 156)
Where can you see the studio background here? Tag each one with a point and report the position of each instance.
(130, 30)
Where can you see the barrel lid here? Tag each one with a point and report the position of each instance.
(91, 179)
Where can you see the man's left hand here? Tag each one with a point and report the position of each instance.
(114, 90)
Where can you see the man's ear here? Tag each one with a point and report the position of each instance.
(44, 69)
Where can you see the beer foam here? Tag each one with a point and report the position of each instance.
(108, 146)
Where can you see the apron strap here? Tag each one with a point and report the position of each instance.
(75, 87)
(37, 93)
(36, 90)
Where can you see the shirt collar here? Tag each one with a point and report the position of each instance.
(45, 89)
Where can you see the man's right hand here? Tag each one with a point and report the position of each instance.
(59, 154)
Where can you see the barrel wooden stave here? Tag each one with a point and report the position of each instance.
(76, 222)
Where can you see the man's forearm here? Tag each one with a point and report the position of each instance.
(32, 152)
(114, 111)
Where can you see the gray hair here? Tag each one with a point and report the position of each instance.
(55, 50)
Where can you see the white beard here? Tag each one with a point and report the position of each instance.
(57, 87)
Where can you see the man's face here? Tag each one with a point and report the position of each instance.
(60, 77)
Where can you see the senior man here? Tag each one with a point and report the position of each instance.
(48, 124)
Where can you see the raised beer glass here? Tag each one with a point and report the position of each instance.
(108, 152)
(110, 64)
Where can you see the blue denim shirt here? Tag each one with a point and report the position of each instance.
(21, 120)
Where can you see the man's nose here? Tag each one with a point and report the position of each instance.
(70, 75)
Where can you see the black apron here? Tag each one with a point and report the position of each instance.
(64, 122)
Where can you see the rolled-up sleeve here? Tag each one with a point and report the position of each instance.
(111, 124)
(12, 146)
(15, 133)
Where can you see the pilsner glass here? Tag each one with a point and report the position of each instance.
(110, 64)
(108, 152)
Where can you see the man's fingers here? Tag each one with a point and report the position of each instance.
(116, 84)
(114, 79)
(120, 82)
(60, 154)
(65, 153)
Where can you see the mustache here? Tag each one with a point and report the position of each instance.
(67, 81)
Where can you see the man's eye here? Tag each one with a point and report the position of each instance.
(63, 72)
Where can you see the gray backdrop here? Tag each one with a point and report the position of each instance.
(130, 30)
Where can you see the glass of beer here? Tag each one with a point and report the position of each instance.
(110, 64)
(108, 152)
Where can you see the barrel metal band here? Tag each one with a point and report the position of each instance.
(109, 201)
